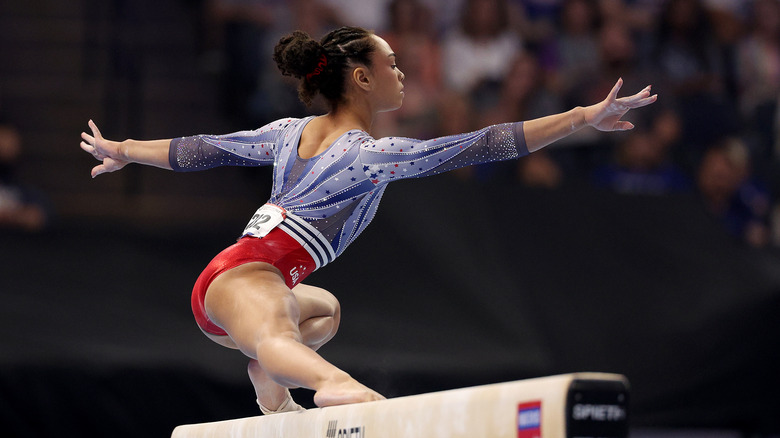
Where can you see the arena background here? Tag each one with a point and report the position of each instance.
(456, 283)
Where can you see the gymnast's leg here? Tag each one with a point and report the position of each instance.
(261, 315)
(319, 321)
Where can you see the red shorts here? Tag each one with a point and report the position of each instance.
(277, 248)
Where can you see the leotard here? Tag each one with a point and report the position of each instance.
(330, 198)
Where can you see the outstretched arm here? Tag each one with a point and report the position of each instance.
(116, 155)
(604, 116)
(393, 158)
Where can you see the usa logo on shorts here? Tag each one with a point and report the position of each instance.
(529, 420)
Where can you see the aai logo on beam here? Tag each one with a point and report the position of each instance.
(333, 431)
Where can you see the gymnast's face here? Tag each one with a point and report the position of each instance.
(387, 87)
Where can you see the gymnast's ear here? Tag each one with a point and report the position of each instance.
(361, 77)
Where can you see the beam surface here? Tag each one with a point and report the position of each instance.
(567, 405)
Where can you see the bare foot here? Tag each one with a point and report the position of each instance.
(269, 393)
(345, 392)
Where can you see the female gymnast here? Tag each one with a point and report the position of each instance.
(328, 178)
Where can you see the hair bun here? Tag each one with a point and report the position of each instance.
(322, 66)
(297, 54)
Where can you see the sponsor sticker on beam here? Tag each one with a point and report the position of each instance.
(529, 420)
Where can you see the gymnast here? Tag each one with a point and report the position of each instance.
(328, 178)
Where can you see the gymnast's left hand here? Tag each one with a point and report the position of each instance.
(107, 151)
(606, 115)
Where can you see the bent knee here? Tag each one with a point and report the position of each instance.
(330, 304)
(336, 315)
(316, 302)
(331, 309)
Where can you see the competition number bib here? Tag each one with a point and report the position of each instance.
(265, 219)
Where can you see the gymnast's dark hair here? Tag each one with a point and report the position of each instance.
(322, 66)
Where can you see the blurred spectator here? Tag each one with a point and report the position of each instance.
(370, 14)
(20, 206)
(731, 193)
(685, 51)
(688, 62)
(444, 15)
(728, 24)
(737, 7)
(638, 15)
(235, 30)
(759, 70)
(419, 57)
(642, 163)
(536, 20)
(542, 10)
(574, 52)
(315, 17)
(539, 170)
(277, 95)
(455, 115)
(481, 48)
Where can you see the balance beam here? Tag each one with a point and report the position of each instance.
(563, 406)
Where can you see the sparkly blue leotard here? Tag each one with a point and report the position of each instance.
(332, 197)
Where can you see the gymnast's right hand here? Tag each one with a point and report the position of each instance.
(107, 151)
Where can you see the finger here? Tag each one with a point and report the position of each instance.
(91, 150)
(644, 101)
(97, 170)
(95, 130)
(107, 166)
(636, 97)
(639, 96)
(647, 101)
(88, 138)
(613, 94)
(623, 126)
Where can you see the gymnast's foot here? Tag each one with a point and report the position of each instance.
(343, 391)
(288, 405)
(271, 397)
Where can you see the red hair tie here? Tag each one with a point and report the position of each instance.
(319, 69)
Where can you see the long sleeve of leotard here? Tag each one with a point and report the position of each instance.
(243, 148)
(393, 158)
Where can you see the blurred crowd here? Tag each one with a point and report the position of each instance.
(21, 206)
(469, 63)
